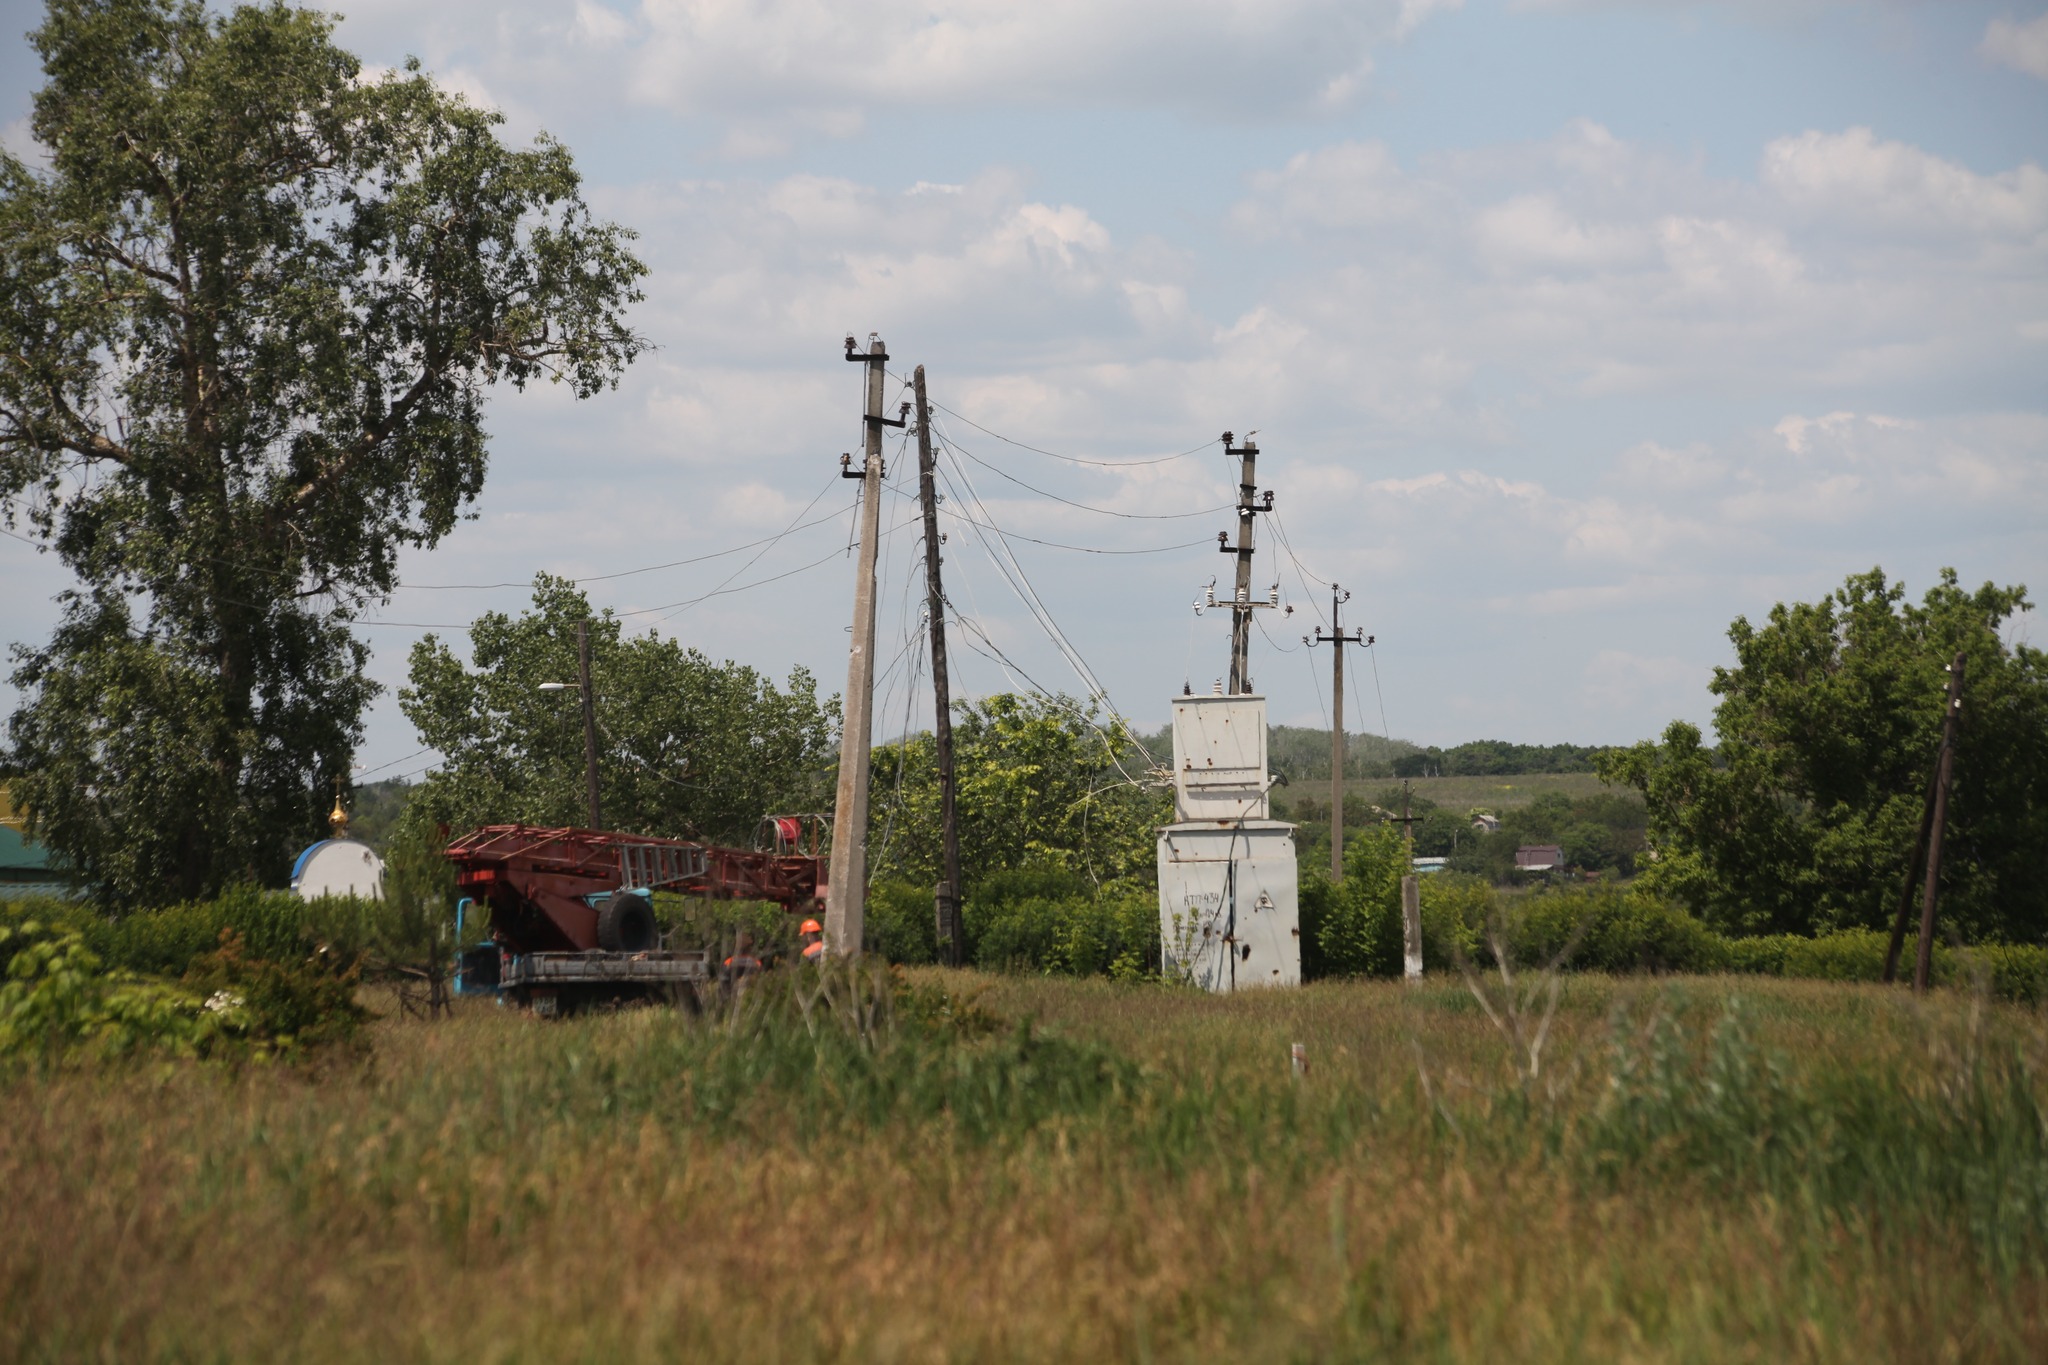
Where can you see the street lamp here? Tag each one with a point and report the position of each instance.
(589, 717)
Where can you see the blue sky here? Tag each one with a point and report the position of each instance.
(1571, 331)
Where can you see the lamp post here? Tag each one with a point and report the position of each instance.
(589, 718)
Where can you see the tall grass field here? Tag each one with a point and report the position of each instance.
(950, 1167)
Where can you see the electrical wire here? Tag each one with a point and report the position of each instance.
(766, 546)
(392, 764)
(1027, 594)
(1075, 459)
(1081, 549)
(1089, 507)
(1385, 733)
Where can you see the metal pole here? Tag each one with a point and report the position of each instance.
(1336, 738)
(946, 896)
(589, 723)
(1944, 769)
(1241, 601)
(846, 883)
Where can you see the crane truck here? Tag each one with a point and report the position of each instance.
(572, 916)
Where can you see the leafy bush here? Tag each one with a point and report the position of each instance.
(166, 942)
(1048, 920)
(284, 1005)
(903, 922)
(115, 987)
(1455, 912)
(1353, 928)
(1615, 932)
(58, 997)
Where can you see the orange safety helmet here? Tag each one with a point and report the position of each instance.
(811, 926)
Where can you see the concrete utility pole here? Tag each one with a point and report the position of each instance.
(946, 896)
(589, 723)
(846, 879)
(1411, 897)
(1241, 599)
(1337, 637)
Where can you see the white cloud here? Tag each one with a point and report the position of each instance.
(2019, 44)
(1534, 230)
(784, 60)
(1854, 179)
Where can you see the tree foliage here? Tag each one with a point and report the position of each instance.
(686, 746)
(1829, 725)
(249, 305)
(1040, 786)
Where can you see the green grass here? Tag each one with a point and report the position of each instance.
(1022, 1168)
(1460, 794)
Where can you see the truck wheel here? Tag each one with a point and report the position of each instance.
(625, 924)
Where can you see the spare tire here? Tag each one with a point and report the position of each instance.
(625, 924)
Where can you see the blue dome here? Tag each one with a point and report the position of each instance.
(300, 865)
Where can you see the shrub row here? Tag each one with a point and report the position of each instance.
(1611, 930)
(242, 974)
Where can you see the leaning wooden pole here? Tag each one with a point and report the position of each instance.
(1944, 771)
(1912, 880)
(946, 896)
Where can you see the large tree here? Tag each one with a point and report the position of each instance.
(1804, 816)
(249, 303)
(687, 746)
(1043, 783)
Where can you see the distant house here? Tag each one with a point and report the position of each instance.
(25, 868)
(1486, 824)
(1538, 858)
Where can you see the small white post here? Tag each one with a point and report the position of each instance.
(1411, 924)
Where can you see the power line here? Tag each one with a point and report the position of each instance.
(1088, 507)
(766, 546)
(1020, 583)
(1078, 549)
(650, 568)
(1074, 459)
(392, 764)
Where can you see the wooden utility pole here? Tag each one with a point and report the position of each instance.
(1944, 770)
(1337, 638)
(1241, 599)
(1913, 865)
(846, 878)
(589, 723)
(1926, 851)
(946, 896)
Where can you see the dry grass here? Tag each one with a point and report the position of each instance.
(1459, 794)
(498, 1188)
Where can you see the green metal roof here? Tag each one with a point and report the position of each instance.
(17, 852)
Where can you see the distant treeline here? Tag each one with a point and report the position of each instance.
(1494, 757)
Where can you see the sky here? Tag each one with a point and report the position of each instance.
(1571, 330)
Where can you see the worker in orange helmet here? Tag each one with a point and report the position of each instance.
(813, 934)
(743, 963)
